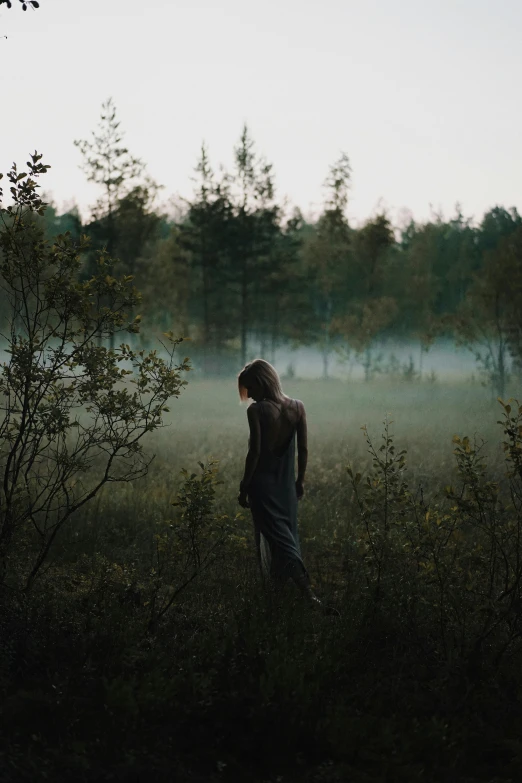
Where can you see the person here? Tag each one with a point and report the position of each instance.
(269, 487)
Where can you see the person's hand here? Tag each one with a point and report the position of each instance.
(242, 499)
(299, 489)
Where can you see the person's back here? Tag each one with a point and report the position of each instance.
(278, 424)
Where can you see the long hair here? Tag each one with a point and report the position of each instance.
(265, 375)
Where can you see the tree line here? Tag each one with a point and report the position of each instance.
(240, 273)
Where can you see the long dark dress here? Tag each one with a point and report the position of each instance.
(273, 499)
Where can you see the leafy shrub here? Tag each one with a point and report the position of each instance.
(417, 679)
(451, 570)
(74, 411)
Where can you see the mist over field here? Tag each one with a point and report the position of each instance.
(446, 361)
(209, 421)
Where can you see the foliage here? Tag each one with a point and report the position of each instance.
(189, 545)
(202, 239)
(458, 560)
(166, 276)
(123, 221)
(327, 261)
(106, 162)
(418, 678)
(240, 249)
(337, 185)
(253, 229)
(489, 319)
(74, 411)
(370, 310)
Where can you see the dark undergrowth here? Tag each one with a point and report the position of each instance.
(244, 693)
(154, 655)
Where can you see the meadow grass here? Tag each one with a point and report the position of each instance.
(208, 421)
(99, 685)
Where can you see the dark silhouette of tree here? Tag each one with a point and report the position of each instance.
(110, 165)
(327, 259)
(253, 231)
(496, 224)
(235, 271)
(166, 276)
(204, 235)
(371, 309)
(489, 321)
(282, 297)
(414, 286)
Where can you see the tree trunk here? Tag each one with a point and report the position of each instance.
(244, 314)
(326, 354)
(110, 251)
(501, 369)
(326, 337)
(206, 316)
(4, 548)
(367, 364)
(275, 331)
(6, 535)
(263, 343)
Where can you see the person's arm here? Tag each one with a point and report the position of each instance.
(254, 447)
(302, 451)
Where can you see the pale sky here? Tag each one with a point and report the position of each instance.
(423, 96)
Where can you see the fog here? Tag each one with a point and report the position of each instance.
(443, 361)
(447, 361)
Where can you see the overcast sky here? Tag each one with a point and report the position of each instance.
(423, 96)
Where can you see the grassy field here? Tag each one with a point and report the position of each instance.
(149, 652)
(209, 421)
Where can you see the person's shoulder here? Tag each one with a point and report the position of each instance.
(293, 402)
(301, 409)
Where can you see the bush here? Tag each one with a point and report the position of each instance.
(167, 659)
(74, 411)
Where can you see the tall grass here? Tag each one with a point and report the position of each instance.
(149, 651)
